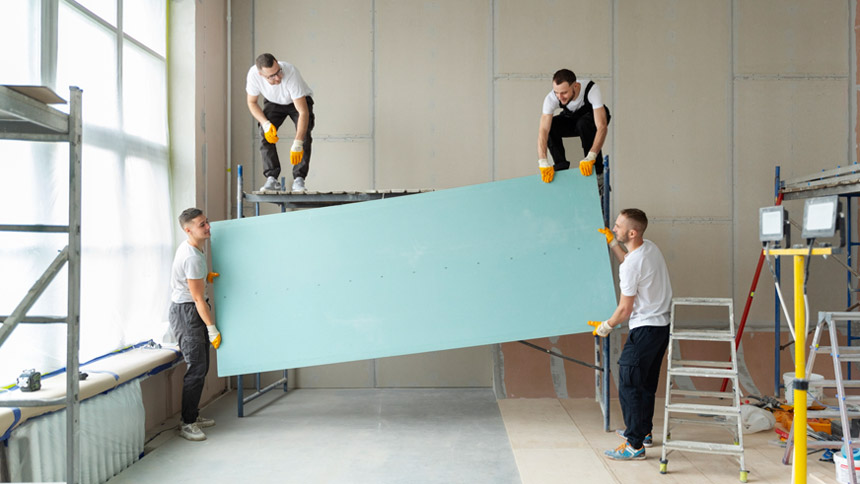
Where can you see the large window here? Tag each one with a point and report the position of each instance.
(115, 51)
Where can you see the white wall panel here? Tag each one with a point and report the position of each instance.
(790, 37)
(432, 115)
(330, 43)
(540, 37)
(673, 107)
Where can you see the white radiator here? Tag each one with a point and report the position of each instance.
(112, 437)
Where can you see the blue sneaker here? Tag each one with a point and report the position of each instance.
(625, 452)
(648, 441)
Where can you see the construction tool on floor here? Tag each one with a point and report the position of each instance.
(840, 355)
(678, 401)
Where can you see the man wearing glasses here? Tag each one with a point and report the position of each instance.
(284, 93)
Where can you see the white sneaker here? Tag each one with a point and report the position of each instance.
(299, 184)
(191, 432)
(204, 422)
(271, 184)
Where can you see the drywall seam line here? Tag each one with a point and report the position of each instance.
(253, 124)
(373, 94)
(852, 84)
(692, 220)
(343, 137)
(374, 91)
(494, 125)
(787, 77)
(731, 136)
(613, 71)
(517, 76)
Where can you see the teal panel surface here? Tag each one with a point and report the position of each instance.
(468, 266)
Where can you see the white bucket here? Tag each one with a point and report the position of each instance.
(811, 394)
(842, 472)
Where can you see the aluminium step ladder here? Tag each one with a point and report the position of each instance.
(840, 355)
(689, 404)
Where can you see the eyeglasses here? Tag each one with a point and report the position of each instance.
(277, 74)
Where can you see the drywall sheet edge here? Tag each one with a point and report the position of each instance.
(475, 265)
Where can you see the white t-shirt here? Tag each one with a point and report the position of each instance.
(189, 263)
(551, 102)
(644, 275)
(292, 85)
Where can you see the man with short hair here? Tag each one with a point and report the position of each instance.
(285, 94)
(646, 298)
(583, 114)
(191, 319)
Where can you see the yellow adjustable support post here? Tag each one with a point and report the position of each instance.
(799, 256)
(799, 371)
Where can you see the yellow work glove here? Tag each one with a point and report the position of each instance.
(601, 328)
(271, 132)
(296, 152)
(610, 237)
(214, 336)
(211, 277)
(587, 165)
(547, 172)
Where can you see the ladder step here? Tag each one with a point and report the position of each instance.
(712, 364)
(846, 354)
(827, 444)
(703, 372)
(830, 413)
(703, 409)
(706, 447)
(732, 425)
(855, 350)
(704, 335)
(702, 301)
(702, 393)
(832, 383)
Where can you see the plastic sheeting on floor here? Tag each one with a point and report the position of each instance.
(475, 265)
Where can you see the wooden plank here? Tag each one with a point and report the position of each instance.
(42, 94)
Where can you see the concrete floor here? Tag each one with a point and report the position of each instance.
(341, 436)
(435, 436)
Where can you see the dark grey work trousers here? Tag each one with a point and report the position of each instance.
(193, 338)
(638, 376)
(569, 124)
(276, 114)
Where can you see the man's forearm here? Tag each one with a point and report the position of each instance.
(599, 138)
(302, 126)
(621, 314)
(619, 252)
(257, 112)
(542, 145)
(204, 312)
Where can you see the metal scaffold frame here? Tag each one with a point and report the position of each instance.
(843, 181)
(28, 119)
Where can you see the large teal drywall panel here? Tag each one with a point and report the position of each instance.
(475, 265)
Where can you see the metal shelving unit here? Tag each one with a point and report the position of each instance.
(27, 118)
(843, 181)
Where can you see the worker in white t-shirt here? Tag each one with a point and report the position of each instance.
(583, 114)
(191, 319)
(285, 94)
(646, 297)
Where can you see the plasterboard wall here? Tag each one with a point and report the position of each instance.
(706, 98)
